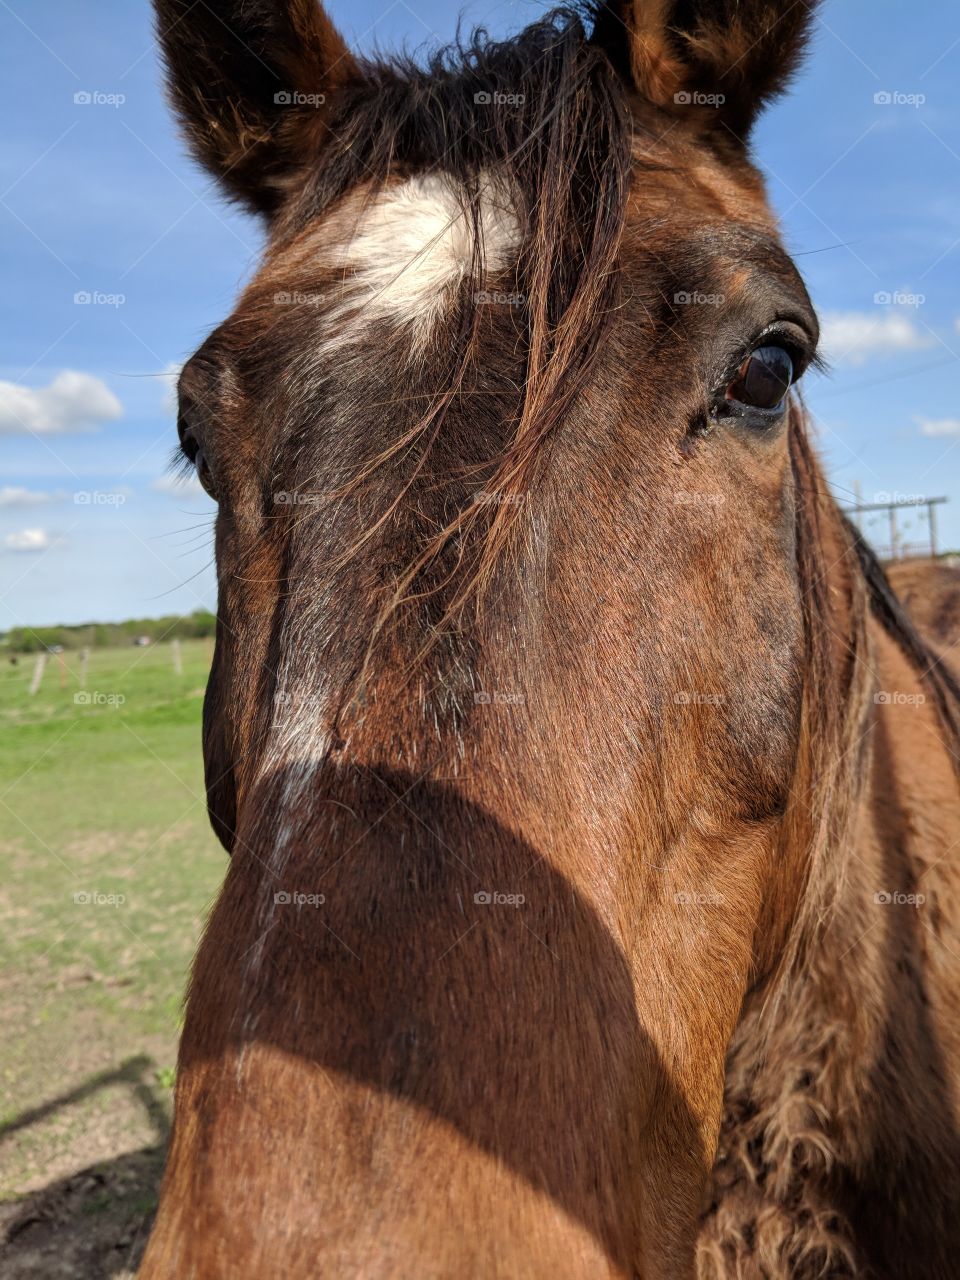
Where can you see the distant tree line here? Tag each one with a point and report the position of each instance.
(101, 635)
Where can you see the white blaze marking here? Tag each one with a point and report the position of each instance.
(412, 247)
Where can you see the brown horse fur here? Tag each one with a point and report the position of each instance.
(513, 605)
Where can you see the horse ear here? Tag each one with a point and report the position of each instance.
(717, 61)
(252, 82)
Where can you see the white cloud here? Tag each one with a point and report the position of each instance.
(17, 496)
(179, 486)
(939, 426)
(72, 402)
(29, 540)
(852, 337)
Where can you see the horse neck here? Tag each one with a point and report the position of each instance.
(840, 1131)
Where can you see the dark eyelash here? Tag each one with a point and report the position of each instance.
(802, 353)
(181, 464)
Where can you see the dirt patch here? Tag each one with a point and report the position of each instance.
(93, 1225)
(81, 1156)
(97, 844)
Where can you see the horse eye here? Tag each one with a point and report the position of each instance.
(204, 473)
(763, 379)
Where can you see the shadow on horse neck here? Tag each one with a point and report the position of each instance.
(440, 988)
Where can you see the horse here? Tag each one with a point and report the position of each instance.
(590, 795)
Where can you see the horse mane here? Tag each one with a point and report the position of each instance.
(886, 606)
(869, 591)
(842, 586)
(789, 1084)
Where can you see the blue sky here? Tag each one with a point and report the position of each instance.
(99, 198)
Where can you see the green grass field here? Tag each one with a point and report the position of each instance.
(108, 870)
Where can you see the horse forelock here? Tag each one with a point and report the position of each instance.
(428, 211)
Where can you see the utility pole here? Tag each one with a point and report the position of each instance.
(932, 522)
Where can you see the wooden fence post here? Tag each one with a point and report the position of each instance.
(38, 671)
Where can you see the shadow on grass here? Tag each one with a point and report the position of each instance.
(93, 1224)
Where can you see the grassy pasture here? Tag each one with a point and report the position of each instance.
(107, 869)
